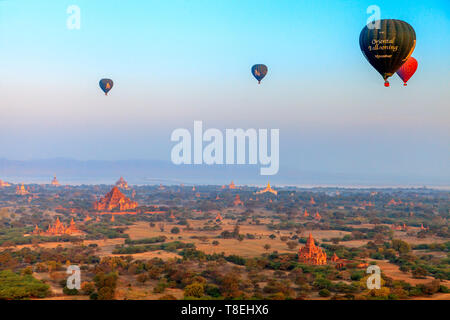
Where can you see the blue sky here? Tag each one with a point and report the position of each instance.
(174, 62)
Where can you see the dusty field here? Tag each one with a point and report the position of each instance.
(164, 255)
(245, 248)
(436, 296)
(105, 246)
(414, 240)
(129, 289)
(397, 235)
(393, 271)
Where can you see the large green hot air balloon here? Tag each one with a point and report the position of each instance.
(387, 47)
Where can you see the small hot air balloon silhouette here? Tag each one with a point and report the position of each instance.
(259, 71)
(106, 85)
(407, 70)
(388, 47)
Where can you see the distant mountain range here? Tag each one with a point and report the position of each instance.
(70, 171)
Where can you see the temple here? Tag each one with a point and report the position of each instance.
(267, 189)
(237, 201)
(4, 184)
(57, 229)
(367, 204)
(232, 185)
(312, 201)
(219, 217)
(121, 183)
(334, 258)
(403, 227)
(55, 182)
(115, 200)
(305, 214)
(21, 191)
(394, 203)
(311, 254)
(317, 216)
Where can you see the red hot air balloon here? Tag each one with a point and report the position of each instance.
(407, 70)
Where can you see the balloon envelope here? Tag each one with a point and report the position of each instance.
(407, 70)
(389, 46)
(106, 85)
(259, 71)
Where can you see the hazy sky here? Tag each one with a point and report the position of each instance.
(174, 62)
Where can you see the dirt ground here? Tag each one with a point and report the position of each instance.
(393, 271)
(245, 248)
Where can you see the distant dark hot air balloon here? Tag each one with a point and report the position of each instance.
(387, 47)
(407, 70)
(106, 85)
(259, 71)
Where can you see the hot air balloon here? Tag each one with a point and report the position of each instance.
(407, 70)
(387, 47)
(106, 85)
(259, 71)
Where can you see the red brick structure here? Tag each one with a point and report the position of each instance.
(115, 200)
(311, 254)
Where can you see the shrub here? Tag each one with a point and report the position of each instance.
(14, 286)
(195, 289)
(324, 293)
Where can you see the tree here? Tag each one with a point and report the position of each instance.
(235, 233)
(28, 270)
(292, 244)
(324, 293)
(335, 240)
(267, 247)
(404, 268)
(175, 230)
(14, 286)
(419, 273)
(142, 278)
(106, 285)
(106, 293)
(87, 288)
(230, 285)
(195, 289)
(401, 246)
